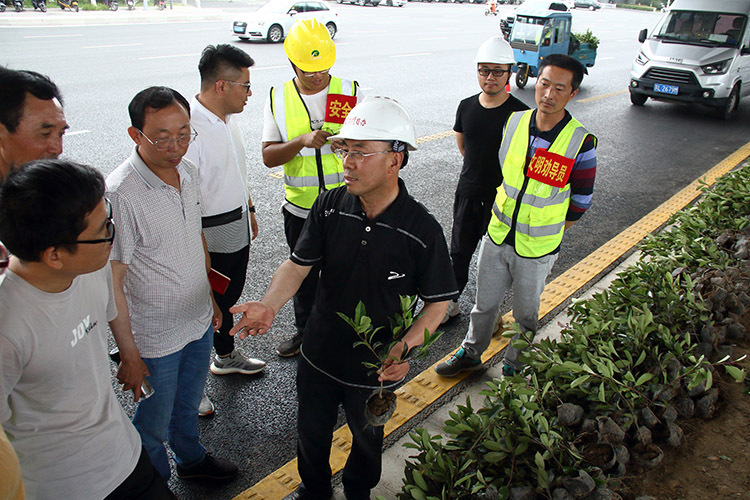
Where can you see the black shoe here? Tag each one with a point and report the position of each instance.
(210, 468)
(290, 347)
(298, 493)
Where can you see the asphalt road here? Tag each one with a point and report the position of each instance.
(422, 55)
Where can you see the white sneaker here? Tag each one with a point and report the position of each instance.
(452, 312)
(206, 407)
(236, 363)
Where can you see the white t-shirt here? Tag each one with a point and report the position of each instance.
(316, 107)
(57, 405)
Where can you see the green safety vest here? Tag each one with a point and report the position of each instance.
(311, 171)
(540, 215)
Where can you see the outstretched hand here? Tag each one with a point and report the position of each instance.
(393, 369)
(256, 319)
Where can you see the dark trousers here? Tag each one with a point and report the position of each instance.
(144, 483)
(470, 220)
(305, 296)
(319, 399)
(233, 265)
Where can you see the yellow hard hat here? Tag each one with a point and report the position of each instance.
(309, 46)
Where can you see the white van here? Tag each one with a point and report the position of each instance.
(699, 52)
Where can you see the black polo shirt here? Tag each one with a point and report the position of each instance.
(400, 252)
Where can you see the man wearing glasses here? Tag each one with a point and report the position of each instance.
(479, 127)
(229, 222)
(160, 273)
(374, 243)
(56, 401)
(299, 118)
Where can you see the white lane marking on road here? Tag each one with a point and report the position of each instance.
(111, 46)
(167, 57)
(412, 55)
(77, 132)
(69, 35)
(274, 67)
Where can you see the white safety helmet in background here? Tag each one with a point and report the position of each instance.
(496, 50)
(379, 118)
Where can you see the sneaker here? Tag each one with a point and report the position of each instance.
(236, 363)
(206, 408)
(210, 468)
(452, 311)
(508, 370)
(290, 347)
(458, 363)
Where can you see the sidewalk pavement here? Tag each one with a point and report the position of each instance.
(54, 16)
(396, 455)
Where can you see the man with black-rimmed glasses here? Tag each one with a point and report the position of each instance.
(160, 270)
(56, 402)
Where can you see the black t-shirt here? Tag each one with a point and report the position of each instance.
(400, 252)
(483, 132)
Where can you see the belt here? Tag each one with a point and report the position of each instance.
(221, 219)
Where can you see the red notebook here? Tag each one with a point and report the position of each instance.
(219, 282)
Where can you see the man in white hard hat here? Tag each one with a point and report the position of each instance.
(549, 166)
(479, 127)
(298, 120)
(374, 243)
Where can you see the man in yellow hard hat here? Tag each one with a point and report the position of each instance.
(299, 118)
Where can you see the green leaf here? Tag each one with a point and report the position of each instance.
(602, 396)
(419, 480)
(643, 379)
(736, 373)
(580, 380)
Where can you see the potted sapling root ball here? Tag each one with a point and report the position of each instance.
(382, 402)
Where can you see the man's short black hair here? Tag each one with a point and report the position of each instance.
(45, 204)
(565, 62)
(217, 59)
(155, 98)
(15, 84)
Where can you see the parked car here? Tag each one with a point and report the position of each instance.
(374, 3)
(587, 4)
(273, 20)
(393, 3)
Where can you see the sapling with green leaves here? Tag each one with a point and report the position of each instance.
(399, 325)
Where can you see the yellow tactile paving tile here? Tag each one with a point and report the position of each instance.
(428, 387)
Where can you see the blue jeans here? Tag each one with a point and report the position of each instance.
(172, 412)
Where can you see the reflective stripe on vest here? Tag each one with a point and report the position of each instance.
(311, 171)
(540, 218)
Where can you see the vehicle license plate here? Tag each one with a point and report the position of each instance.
(239, 29)
(666, 89)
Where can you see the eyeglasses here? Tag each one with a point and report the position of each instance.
(109, 226)
(4, 258)
(495, 72)
(246, 85)
(356, 156)
(165, 144)
(309, 75)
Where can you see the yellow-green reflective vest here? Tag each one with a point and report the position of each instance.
(312, 170)
(540, 215)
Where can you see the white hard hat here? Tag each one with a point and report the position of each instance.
(378, 118)
(495, 51)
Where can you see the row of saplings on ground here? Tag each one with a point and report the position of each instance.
(608, 398)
